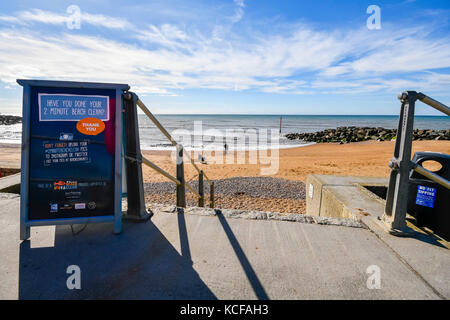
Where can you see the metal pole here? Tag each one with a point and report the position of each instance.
(430, 175)
(25, 163)
(201, 199)
(181, 189)
(433, 103)
(211, 195)
(280, 123)
(397, 197)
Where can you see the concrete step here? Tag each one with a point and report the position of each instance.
(194, 256)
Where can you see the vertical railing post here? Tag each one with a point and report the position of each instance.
(201, 200)
(133, 162)
(397, 197)
(181, 189)
(211, 195)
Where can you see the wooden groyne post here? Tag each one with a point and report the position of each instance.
(201, 199)
(181, 189)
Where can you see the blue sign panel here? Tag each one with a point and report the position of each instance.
(425, 196)
(72, 107)
(71, 160)
(71, 170)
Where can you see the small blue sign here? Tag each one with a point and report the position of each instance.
(66, 136)
(70, 107)
(425, 196)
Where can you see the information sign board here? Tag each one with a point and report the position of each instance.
(71, 153)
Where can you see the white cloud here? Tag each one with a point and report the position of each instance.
(105, 21)
(47, 17)
(10, 19)
(41, 16)
(168, 57)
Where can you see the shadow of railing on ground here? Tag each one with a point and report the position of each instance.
(138, 264)
(184, 241)
(248, 269)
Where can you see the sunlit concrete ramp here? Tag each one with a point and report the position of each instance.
(203, 256)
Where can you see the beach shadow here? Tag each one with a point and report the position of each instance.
(248, 269)
(184, 241)
(140, 263)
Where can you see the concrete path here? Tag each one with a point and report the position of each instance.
(188, 256)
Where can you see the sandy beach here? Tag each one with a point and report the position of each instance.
(236, 183)
(368, 158)
(358, 159)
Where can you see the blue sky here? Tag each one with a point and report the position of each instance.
(234, 56)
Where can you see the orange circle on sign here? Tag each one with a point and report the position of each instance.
(90, 126)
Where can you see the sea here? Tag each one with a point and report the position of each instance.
(200, 131)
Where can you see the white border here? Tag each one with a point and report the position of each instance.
(72, 95)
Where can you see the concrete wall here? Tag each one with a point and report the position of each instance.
(341, 196)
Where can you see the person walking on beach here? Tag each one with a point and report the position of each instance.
(225, 147)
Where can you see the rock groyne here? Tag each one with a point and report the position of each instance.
(356, 134)
(8, 120)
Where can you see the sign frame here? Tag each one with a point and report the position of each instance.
(116, 216)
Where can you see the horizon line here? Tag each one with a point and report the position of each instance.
(264, 114)
(280, 115)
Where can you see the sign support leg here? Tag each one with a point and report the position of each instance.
(133, 161)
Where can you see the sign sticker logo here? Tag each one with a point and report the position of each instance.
(90, 126)
(66, 136)
(65, 185)
(80, 206)
(53, 207)
(425, 196)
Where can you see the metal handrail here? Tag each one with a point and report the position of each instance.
(192, 190)
(161, 171)
(167, 134)
(152, 165)
(430, 175)
(401, 164)
(433, 103)
(156, 122)
(416, 167)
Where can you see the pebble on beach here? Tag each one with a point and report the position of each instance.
(245, 193)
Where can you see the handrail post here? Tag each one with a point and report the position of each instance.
(135, 187)
(181, 188)
(201, 199)
(179, 180)
(397, 194)
(211, 195)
